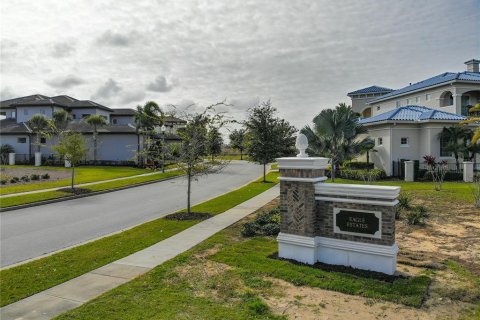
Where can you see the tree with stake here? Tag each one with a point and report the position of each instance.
(192, 150)
(237, 140)
(96, 121)
(268, 137)
(72, 148)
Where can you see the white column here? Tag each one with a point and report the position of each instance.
(468, 171)
(11, 159)
(38, 159)
(409, 171)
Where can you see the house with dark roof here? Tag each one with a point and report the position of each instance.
(405, 123)
(119, 140)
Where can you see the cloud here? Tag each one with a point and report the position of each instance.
(62, 50)
(6, 93)
(244, 103)
(160, 85)
(108, 90)
(116, 39)
(132, 96)
(66, 82)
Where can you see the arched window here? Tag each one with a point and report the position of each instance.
(446, 99)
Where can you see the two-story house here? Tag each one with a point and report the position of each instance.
(406, 123)
(119, 140)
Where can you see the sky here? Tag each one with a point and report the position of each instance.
(302, 55)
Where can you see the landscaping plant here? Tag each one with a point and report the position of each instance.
(437, 170)
(72, 148)
(335, 135)
(34, 176)
(5, 149)
(476, 191)
(268, 137)
(417, 215)
(265, 224)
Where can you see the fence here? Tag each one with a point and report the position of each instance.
(454, 172)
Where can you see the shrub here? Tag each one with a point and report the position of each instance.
(25, 178)
(417, 215)
(362, 174)
(45, 176)
(34, 176)
(476, 191)
(14, 180)
(404, 201)
(357, 165)
(3, 181)
(266, 223)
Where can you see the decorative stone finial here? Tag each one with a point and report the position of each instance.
(302, 145)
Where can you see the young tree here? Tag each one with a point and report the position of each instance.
(71, 147)
(335, 134)
(192, 150)
(5, 149)
(237, 140)
(39, 125)
(214, 142)
(268, 136)
(456, 141)
(96, 121)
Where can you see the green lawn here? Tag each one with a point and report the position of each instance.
(194, 286)
(253, 256)
(82, 175)
(49, 195)
(27, 279)
(450, 190)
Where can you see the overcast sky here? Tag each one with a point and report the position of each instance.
(304, 55)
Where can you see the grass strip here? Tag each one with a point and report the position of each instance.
(38, 275)
(49, 195)
(253, 256)
(83, 174)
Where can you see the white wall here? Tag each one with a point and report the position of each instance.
(434, 102)
(122, 119)
(381, 158)
(117, 147)
(20, 148)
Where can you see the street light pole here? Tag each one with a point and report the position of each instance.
(163, 129)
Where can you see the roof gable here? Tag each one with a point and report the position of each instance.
(413, 113)
(438, 79)
(371, 89)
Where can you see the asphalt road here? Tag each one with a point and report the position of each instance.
(32, 232)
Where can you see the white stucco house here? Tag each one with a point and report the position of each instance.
(406, 123)
(118, 140)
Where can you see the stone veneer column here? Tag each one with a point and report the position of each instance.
(298, 177)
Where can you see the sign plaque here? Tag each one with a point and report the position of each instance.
(358, 222)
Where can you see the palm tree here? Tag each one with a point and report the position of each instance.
(39, 124)
(61, 119)
(147, 118)
(335, 134)
(96, 121)
(456, 141)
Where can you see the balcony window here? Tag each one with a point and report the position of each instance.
(404, 142)
(380, 141)
(21, 140)
(444, 147)
(428, 97)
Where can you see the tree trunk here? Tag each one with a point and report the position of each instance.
(189, 177)
(95, 146)
(241, 155)
(73, 175)
(264, 172)
(368, 160)
(334, 167)
(38, 142)
(456, 162)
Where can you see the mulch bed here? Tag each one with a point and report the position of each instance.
(344, 269)
(183, 216)
(75, 191)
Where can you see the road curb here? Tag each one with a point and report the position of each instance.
(39, 203)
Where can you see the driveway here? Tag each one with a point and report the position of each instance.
(32, 232)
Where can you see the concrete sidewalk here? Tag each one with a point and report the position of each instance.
(83, 184)
(75, 292)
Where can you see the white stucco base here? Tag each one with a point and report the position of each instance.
(38, 159)
(359, 255)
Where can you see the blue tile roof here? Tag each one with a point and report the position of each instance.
(413, 113)
(372, 89)
(441, 78)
